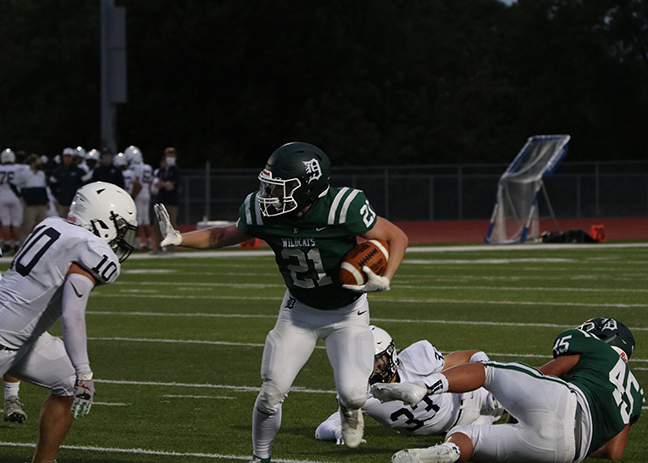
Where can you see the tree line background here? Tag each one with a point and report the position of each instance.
(380, 82)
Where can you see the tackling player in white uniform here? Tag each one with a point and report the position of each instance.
(434, 414)
(144, 175)
(51, 277)
(11, 210)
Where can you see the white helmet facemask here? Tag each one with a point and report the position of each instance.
(276, 195)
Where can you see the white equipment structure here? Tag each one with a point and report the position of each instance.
(515, 216)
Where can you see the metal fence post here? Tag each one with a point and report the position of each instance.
(207, 190)
(386, 193)
(460, 192)
(431, 197)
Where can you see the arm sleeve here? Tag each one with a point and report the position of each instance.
(76, 291)
(327, 430)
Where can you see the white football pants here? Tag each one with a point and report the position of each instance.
(545, 408)
(44, 363)
(349, 346)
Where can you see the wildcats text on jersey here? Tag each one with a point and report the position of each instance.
(298, 242)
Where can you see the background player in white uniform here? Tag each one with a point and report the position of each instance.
(434, 414)
(121, 161)
(51, 277)
(91, 160)
(11, 210)
(310, 226)
(144, 175)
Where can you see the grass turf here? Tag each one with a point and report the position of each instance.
(176, 346)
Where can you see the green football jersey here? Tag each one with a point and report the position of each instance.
(309, 250)
(614, 395)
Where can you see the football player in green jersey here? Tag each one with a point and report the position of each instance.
(581, 403)
(310, 226)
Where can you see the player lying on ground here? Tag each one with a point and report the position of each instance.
(310, 226)
(434, 414)
(51, 277)
(581, 403)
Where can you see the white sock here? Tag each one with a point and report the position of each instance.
(11, 389)
(479, 357)
(452, 447)
(264, 430)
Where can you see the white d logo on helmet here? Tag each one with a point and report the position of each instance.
(313, 169)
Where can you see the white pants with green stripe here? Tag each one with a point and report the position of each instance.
(545, 408)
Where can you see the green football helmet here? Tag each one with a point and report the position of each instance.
(295, 176)
(613, 332)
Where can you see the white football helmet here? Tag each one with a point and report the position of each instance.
(8, 156)
(385, 353)
(93, 155)
(120, 161)
(108, 212)
(79, 151)
(134, 154)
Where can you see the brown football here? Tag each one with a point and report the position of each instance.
(373, 253)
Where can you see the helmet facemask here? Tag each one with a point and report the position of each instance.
(276, 196)
(386, 362)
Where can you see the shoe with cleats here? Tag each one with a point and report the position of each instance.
(352, 427)
(13, 411)
(435, 454)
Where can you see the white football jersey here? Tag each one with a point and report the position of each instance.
(434, 414)
(145, 174)
(129, 179)
(32, 288)
(8, 175)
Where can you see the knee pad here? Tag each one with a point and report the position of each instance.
(269, 399)
(353, 401)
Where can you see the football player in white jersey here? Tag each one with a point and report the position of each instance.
(121, 162)
(12, 410)
(144, 176)
(11, 210)
(434, 414)
(51, 277)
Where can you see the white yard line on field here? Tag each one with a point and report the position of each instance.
(372, 298)
(397, 286)
(210, 386)
(247, 344)
(413, 249)
(160, 453)
(390, 320)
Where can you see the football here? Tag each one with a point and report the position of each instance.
(373, 253)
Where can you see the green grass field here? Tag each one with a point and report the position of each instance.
(176, 346)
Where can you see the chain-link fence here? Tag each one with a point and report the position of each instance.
(443, 192)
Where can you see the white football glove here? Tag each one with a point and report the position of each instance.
(84, 392)
(375, 283)
(408, 393)
(171, 235)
